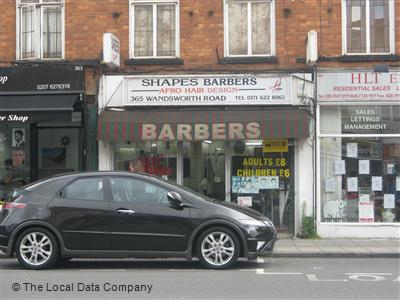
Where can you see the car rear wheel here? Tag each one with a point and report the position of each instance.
(37, 248)
(218, 248)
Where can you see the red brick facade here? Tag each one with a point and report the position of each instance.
(201, 34)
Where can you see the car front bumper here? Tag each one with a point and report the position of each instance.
(261, 245)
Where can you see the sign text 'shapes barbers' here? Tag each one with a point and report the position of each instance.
(207, 90)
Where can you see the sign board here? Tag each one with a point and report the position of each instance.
(366, 211)
(192, 90)
(276, 145)
(111, 50)
(46, 79)
(358, 87)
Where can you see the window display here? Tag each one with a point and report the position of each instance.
(156, 158)
(360, 185)
(14, 157)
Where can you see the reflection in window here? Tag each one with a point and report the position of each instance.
(241, 40)
(372, 39)
(85, 189)
(137, 191)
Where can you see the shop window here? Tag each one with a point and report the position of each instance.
(155, 158)
(368, 26)
(360, 163)
(249, 28)
(40, 29)
(154, 29)
(14, 157)
(360, 179)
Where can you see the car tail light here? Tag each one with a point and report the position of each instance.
(13, 205)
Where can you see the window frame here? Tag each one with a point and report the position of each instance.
(154, 4)
(38, 25)
(392, 41)
(249, 40)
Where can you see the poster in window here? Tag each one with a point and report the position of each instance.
(363, 167)
(390, 169)
(366, 212)
(18, 137)
(363, 197)
(245, 185)
(352, 150)
(245, 201)
(330, 185)
(376, 183)
(340, 167)
(388, 201)
(54, 157)
(352, 184)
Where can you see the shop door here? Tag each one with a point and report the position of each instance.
(264, 180)
(58, 151)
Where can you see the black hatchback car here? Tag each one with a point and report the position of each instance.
(119, 214)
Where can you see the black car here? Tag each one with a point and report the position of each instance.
(119, 214)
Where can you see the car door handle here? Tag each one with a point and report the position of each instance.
(125, 211)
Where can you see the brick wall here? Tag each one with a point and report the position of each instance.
(201, 33)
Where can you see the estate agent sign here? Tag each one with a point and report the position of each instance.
(207, 90)
(358, 87)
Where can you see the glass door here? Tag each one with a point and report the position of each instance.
(263, 179)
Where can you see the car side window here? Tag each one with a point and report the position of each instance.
(137, 191)
(84, 189)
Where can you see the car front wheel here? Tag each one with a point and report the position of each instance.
(218, 248)
(37, 248)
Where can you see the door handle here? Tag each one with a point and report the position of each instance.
(125, 211)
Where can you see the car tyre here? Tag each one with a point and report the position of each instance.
(218, 248)
(37, 248)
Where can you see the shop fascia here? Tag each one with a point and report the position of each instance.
(358, 86)
(201, 90)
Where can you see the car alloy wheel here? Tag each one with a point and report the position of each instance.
(218, 248)
(37, 248)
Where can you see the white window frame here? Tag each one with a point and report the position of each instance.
(38, 36)
(132, 28)
(368, 28)
(249, 41)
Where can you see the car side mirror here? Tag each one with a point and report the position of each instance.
(175, 199)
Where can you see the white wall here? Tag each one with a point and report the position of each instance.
(304, 180)
(337, 230)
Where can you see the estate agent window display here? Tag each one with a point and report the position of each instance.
(360, 163)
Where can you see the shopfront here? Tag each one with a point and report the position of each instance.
(41, 111)
(201, 132)
(359, 153)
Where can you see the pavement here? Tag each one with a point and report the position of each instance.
(386, 248)
(337, 248)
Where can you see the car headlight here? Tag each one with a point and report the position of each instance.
(253, 227)
(269, 223)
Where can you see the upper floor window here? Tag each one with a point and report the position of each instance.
(154, 29)
(368, 26)
(40, 29)
(249, 27)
